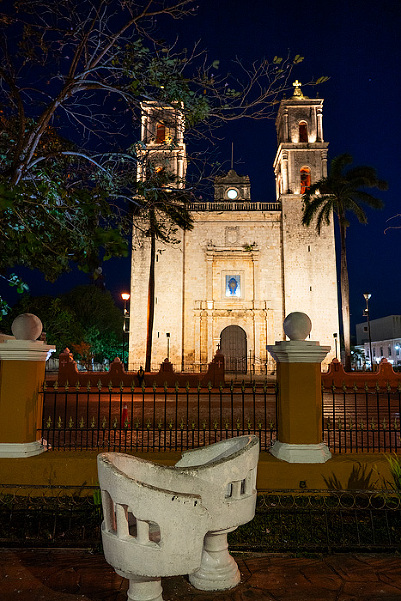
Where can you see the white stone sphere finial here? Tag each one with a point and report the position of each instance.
(27, 326)
(297, 326)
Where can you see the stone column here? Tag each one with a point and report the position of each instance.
(300, 397)
(285, 174)
(22, 374)
(210, 342)
(319, 136)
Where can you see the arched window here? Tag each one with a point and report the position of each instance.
(303, 131)
(164, 133)
(305, 179)
(160, 133)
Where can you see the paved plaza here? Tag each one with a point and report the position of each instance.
(79, 575)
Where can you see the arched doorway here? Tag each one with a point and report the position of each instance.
(233, 347)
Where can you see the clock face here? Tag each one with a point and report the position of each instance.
(232, 193)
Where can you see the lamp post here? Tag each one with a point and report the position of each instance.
(367, 296)
(125, 296)
(335, 342)
(168, 345)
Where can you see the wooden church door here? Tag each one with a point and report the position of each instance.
(233, 347)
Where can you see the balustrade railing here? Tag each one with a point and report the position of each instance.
(234, 206)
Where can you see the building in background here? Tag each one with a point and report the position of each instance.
(385, 334)
(246, 264)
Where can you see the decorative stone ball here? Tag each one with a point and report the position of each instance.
(297, 326)
(27, 326)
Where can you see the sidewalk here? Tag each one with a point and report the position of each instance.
(78, 575)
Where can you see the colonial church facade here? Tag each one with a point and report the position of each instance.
(245, 265)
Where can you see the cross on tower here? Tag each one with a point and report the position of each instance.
(297, 88)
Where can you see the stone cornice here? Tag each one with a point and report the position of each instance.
(298, 351)
(241, 251)
(25, 350)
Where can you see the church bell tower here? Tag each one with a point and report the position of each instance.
(308, 259)
(161, 148)
(162, 142)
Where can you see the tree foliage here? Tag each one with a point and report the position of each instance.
(342, 192)
(84, 318)
(72, 76)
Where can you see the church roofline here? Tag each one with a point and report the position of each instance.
(231, 177)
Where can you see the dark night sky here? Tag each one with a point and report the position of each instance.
(356, 43)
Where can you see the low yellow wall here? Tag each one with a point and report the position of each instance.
(73, 468)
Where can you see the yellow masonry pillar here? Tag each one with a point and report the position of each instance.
(22, 373)
(299, 399)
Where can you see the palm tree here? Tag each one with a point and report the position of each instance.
(342, 191)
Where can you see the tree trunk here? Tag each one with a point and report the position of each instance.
(345, 310)
(151, 301)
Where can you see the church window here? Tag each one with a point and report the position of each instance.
(308, 248)
(303, 131)
(305, 179)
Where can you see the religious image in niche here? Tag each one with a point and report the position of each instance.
(233, 287)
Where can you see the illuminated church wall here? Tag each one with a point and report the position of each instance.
(245, 265)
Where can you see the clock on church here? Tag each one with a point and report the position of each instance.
(232, 193)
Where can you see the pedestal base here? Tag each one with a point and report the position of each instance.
(23, 449)
(141, 589)
(301, 453)
(218, 570)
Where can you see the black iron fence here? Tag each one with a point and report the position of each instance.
(293, 521)
(362, 420)
(323, 521)
(152, 418)
(156, 418)
(48, 516)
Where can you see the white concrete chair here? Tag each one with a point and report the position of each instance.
(165, 521)
(226, 481)
(151, 528)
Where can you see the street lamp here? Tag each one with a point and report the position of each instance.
(335, 342)
(125, 296)
(168, 345)
(367, 296)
